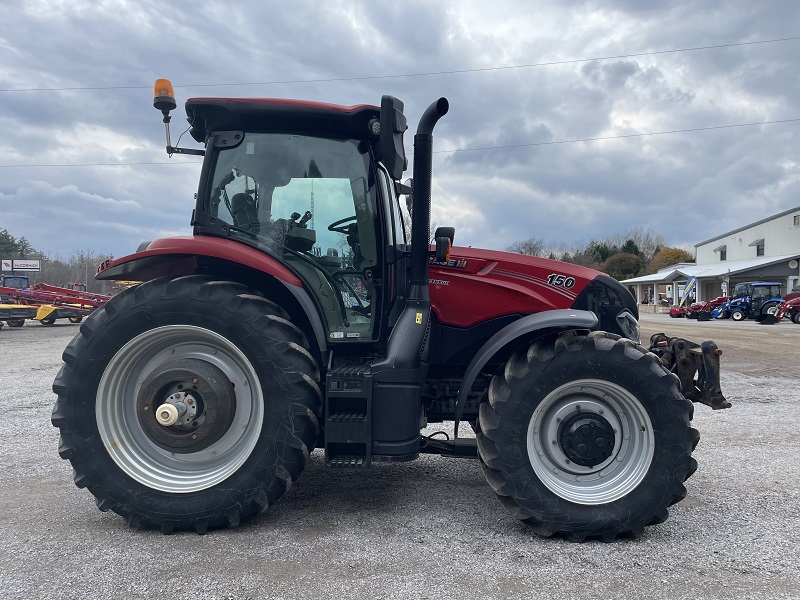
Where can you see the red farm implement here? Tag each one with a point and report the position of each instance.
(51, 303)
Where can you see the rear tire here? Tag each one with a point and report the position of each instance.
(16, 322)
(770, 308)
(586, 436)
(48, 321)
(75, 319)
(795, 318)
(243, 365)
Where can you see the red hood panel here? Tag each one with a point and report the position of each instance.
(476, 285)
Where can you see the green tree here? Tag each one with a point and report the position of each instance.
(8, 244)
(598, 251)
(630, 247)
(622, 265)
(24, 248)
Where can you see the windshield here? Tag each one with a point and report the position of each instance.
(309, 202)
(19, 283)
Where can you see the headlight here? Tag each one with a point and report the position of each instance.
(629, 325)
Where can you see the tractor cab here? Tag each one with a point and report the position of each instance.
(322, 204)
(17, 282)
(752, 299)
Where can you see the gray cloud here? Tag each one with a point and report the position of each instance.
(684, 186)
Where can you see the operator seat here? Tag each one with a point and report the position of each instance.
(245, 212)
(332, 261)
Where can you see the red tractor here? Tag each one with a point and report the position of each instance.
(789, 309)
(298, 317)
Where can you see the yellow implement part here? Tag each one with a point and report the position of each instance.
(44, 311)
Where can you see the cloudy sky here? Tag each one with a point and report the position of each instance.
(525, 80)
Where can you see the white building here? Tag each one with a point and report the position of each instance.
(767, 250)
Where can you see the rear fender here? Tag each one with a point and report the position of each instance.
(510, 336)
(223, 259)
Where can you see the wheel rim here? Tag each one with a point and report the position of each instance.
(119, 415)
(619, 420)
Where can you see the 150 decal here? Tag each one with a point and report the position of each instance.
(560, 280)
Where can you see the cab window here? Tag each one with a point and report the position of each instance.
(309, 202)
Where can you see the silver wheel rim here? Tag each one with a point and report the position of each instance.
(617, 475)
(128, 444)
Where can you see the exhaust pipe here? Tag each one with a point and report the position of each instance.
(421, 217)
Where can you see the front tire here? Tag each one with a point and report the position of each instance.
(737, 315)
(586, 436)
(231, 361)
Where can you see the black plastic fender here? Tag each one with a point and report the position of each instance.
(552, 319)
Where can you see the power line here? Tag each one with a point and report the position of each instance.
(399, 76)
(132, 164)
(616, 137)
(509, 146)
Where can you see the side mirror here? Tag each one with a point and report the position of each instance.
(444, 242)
(393, 125)
(406, 188)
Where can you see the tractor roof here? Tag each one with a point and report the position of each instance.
(207, 115)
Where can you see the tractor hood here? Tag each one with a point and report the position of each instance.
(476, 285)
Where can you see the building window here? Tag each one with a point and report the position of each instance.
(797, 220)
(759, 246)
(723, 252)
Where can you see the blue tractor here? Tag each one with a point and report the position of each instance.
(751, 300)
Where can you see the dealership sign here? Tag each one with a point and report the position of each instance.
(21, 265)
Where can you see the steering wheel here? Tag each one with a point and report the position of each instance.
(339, 226)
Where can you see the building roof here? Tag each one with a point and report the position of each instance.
(748, 226)
(683, 271)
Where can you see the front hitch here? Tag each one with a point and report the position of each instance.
(685, 359)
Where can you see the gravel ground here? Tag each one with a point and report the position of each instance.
(427, 529)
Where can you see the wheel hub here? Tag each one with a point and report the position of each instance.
(186, 406)
(179, 411)
(587, 439)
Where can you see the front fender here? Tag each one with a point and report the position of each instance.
(552, 319)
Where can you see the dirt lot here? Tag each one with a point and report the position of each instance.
(427, 529)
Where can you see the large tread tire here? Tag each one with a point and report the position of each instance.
(614, 373)
(796, 318)
(16, 322)
(279, 400)
(769, 308)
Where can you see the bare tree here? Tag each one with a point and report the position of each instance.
(531, 247)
